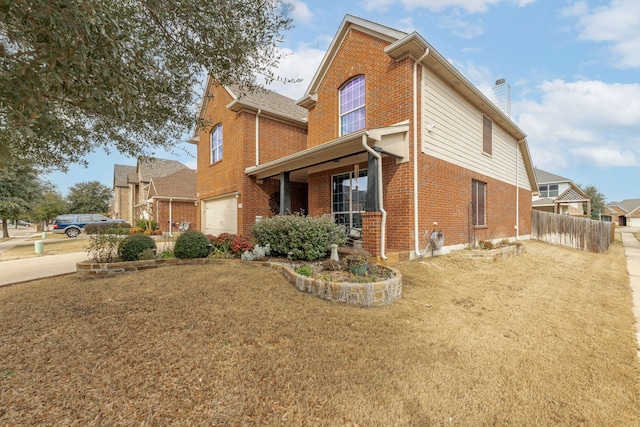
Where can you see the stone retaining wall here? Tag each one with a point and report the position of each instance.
(369, 294)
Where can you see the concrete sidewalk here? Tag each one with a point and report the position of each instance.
(632, 253)
(23, 270)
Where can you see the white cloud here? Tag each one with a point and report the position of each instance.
(299, 11)
(470, 6)
(588, 123)
(299, 64)
(460, 27)
(617, 24)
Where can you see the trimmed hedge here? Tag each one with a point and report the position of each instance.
(133, 246)
(192, 244)
(108, 228)
(306, 238)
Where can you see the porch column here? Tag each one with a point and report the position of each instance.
(371, 232)
(285, 194)
(372, 203)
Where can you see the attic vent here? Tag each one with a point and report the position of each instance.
(502, 96)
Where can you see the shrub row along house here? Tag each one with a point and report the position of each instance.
(388, 139)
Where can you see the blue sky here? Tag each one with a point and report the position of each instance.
(573, 68)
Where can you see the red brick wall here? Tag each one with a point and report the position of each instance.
(387, 87)
(445, 194)
(277, 139)
(178, 211)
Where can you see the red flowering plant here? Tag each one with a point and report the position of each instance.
(226, 245)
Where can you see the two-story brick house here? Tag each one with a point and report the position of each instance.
(394, 139)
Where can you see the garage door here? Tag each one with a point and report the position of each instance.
(221, 216)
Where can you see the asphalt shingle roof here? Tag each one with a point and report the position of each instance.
(271, 101)
(180, 184)
(121, 175)
(153, 167)
(544, 177)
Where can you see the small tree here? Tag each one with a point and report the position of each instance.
(598, 201)
(48, 206)
(19, 190)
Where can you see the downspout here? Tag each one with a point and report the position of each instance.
(517, 190)
(170, 217)
(258, 136)
(383, 222)
(416, 235)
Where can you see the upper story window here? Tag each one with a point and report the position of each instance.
(549, 190)
(352, 111)
(216, 144)
(487, 137)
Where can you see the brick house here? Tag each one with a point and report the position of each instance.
(392, 138)
(171, 200)
(624, 213)
(131, 187)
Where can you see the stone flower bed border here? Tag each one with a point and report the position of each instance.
(368, 294)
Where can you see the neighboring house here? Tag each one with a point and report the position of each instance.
(130, 184)
(624, 213)
(392, 138)
(171, 200)
(560, 195)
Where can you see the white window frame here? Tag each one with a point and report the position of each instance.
(355, 109)
(215, 144)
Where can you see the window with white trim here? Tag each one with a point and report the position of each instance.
(550, 190)
(479, 202)
(352, 108)
(348, 195)
(216, 144)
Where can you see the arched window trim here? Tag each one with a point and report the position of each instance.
(352, 105)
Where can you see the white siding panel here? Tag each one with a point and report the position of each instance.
(457, 136)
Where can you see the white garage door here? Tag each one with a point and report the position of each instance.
(633, 222)
(221, 216)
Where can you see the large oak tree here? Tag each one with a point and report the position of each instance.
(76, 75)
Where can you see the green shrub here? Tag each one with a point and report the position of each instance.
(191, 244)
(305, 270)
(144, 224)
(132, 247)
(307, 238)
(121, 228)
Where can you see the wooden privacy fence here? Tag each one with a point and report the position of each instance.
(574, 232)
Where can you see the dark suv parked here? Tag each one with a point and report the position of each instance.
(73, 224)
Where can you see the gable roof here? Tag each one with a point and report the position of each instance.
(628, 205)
(573, 194)
(121, 175)
(263, 101)
(148, 168)
(269, 102)
(403, 45)
(544, 177)
(178, 185)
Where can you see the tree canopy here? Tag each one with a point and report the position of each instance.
(78, 75)
(19, 189)
(598, 200)
(89, 197)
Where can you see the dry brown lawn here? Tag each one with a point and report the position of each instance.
(545, 338)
